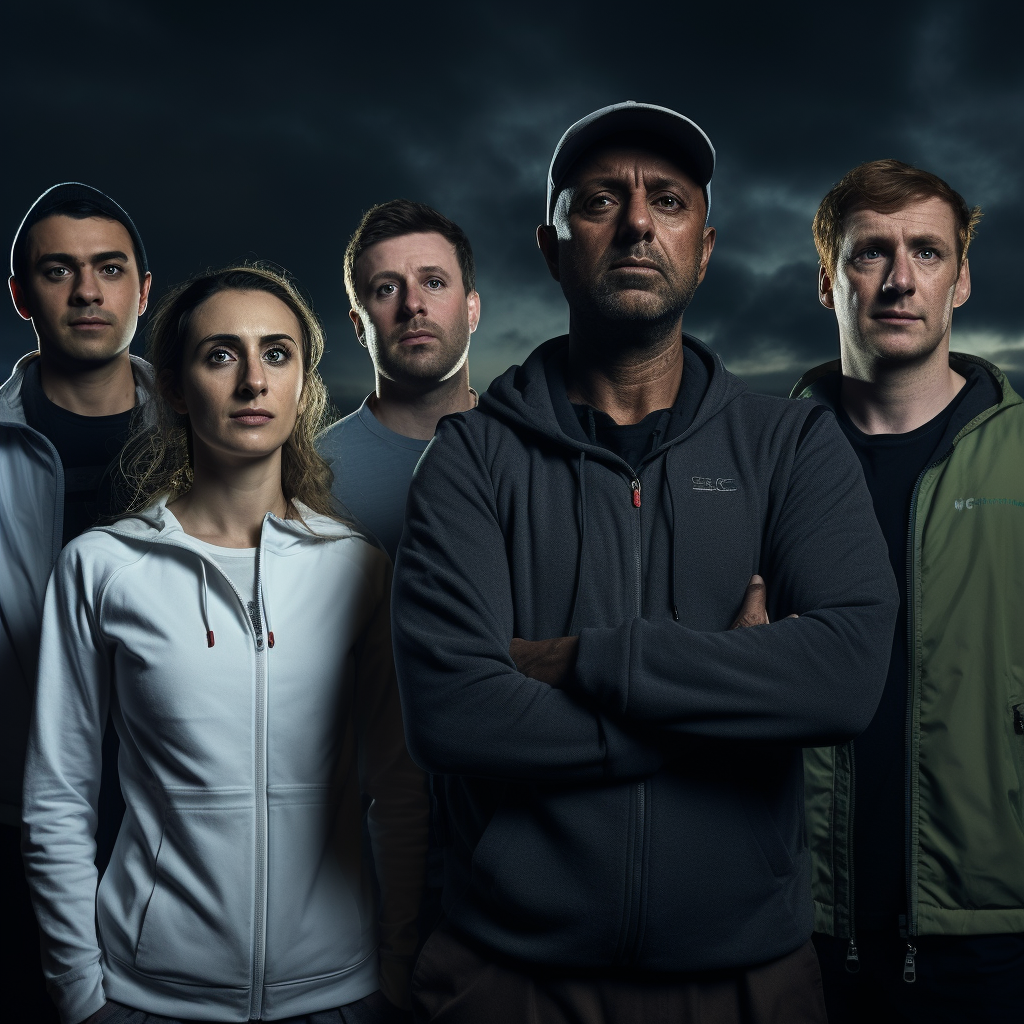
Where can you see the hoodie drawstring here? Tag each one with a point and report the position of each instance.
(583, 546)
(266, 615)
(205, 603)
(205, 606)
(674, 547)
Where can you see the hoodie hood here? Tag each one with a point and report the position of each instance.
(523, 398)
(157, 525)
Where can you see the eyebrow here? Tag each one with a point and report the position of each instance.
(915, 241)
(66, 257)
(265, 338)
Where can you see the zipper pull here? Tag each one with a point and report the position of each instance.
(636, 494)
(909, 967)
(1018, 720)
(852, 960)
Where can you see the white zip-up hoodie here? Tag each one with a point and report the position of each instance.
(31, 529)
(236, 888)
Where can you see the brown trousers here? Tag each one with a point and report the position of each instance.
(455, 982)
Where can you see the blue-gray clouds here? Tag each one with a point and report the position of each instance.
(233, 131)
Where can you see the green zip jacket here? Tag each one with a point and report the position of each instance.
(965, 730)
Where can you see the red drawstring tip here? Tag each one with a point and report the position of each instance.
(209, 638)
(270, 638)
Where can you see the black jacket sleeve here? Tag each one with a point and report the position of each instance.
(467, 709)
(813, 680)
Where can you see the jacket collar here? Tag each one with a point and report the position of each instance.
(822, 382)
(522, 396)
(157, 524)
(13, 411)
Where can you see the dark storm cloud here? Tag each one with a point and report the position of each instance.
(232, 132)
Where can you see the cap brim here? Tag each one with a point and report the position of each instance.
(676, 132)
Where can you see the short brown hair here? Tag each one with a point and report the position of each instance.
(885, 186)
(399, 217)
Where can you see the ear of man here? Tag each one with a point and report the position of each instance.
(20, 299)
(360, 327)
(547, 242)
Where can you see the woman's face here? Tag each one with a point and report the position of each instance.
(241, 376)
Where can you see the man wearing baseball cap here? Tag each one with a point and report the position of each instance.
(79, 274)
(622, 770)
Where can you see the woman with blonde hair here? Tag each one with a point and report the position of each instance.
(239, 632)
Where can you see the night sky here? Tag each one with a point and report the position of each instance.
(253, 131)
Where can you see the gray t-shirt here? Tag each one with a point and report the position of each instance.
(372, 472)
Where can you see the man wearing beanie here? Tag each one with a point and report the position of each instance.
(79, 274)
(623, 771)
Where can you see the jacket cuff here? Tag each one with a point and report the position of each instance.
(77, 993)
(396, 978)
(602, 666)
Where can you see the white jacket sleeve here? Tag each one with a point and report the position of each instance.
(62, 782)
(399, 815)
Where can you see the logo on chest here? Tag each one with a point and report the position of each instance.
(707, 483)
(960, 504)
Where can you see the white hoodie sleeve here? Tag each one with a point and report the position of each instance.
(399, 816)
(62, 783)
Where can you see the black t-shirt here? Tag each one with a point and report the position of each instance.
(630, 441)
(892, 464)
(634, 441)
(88, 446)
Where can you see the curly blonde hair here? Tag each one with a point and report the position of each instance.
(158, 460)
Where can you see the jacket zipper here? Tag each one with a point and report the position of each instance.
(258, 964)
(633, 936)
(852, 959)
(909, 968)
(259, 944)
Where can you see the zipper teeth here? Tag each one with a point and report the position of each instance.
(638, 865)
(849, 848)
(260, 894)
(908, 864)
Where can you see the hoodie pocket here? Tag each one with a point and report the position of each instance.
(321, 915)
(197, 926)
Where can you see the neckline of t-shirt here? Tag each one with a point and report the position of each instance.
(938, 422)
(219, 551)
(43, 404)
(374, 425)
(606, 423)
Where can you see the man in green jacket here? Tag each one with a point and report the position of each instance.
(916, 828)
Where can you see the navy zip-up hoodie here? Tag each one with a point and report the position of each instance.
(649, 817)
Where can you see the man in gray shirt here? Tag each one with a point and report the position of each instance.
(410, 277)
